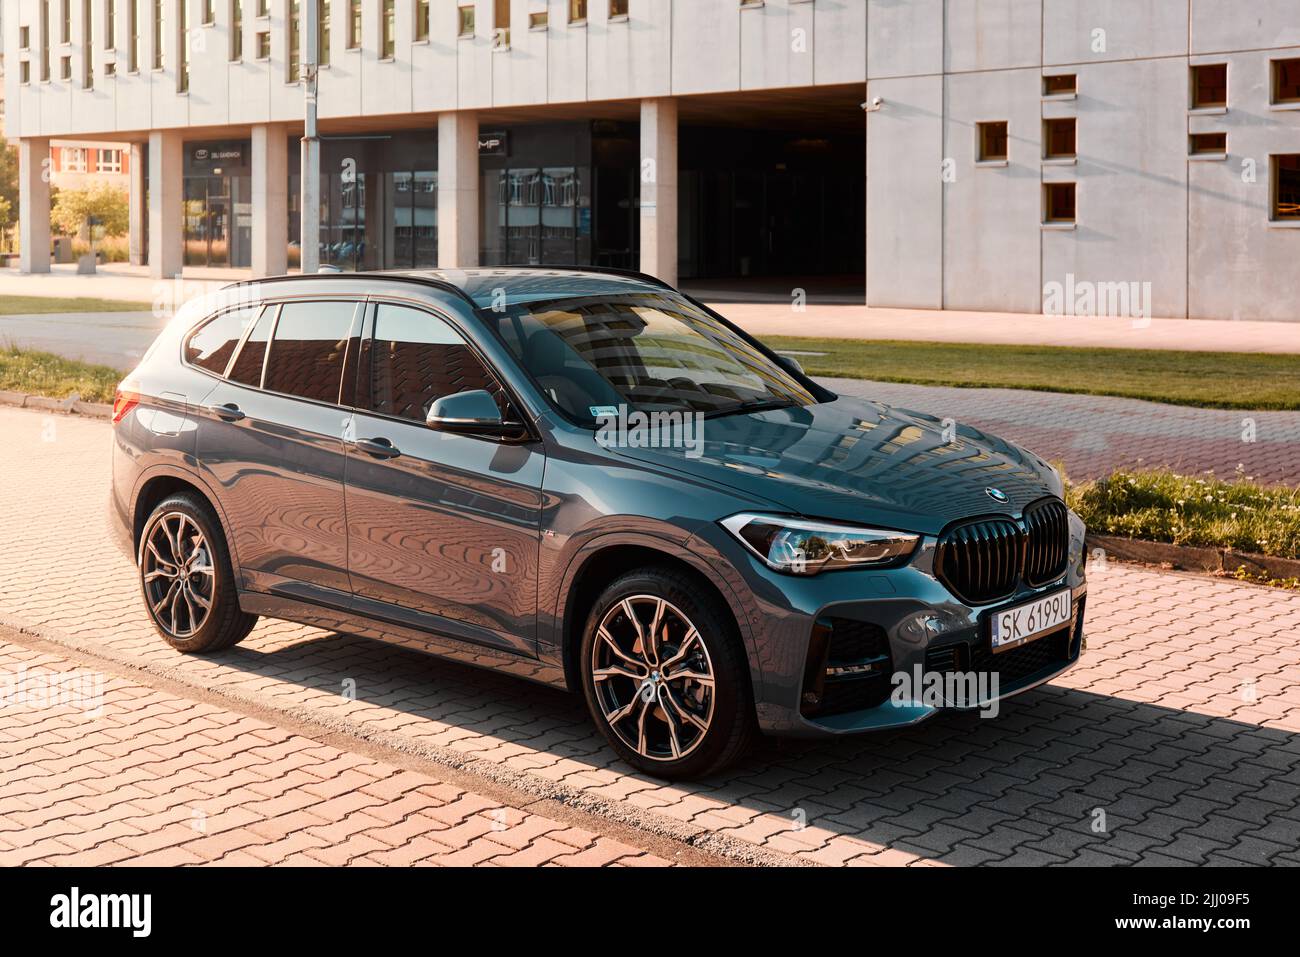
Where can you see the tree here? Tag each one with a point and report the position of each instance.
(8, 189)
(9, 174)
(74, 208)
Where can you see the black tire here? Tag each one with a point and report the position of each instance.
(225, 623)
(732, 728)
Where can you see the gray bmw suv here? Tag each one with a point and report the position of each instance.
(587, 479)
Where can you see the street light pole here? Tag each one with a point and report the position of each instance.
(309, 201)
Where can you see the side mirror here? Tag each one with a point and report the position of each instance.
(790, 363)
(473, 412)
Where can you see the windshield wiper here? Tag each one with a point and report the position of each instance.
(753, 405)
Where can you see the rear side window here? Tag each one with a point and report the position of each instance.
(308, 349)
(247, 369)
(416, 358)
(212, 344)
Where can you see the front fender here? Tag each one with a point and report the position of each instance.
(673, 542)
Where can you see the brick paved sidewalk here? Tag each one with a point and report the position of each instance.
(1095, 435)
(1181, 724)
(126, 774)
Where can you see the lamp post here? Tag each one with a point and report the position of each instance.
(309, 201)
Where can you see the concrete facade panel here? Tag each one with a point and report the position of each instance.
(706, 47)
(1131, 183)
(1223, 25)
(839, 45)
(904, 39)
(1242, 266)
(1092, 31)
(987, 266)
(776, 45)
(992, 35)
(905, 194)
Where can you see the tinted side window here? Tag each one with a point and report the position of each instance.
(213, 343)
(307, 351)
(416, 358)
(247, 369)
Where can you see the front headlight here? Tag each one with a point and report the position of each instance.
(805, 547)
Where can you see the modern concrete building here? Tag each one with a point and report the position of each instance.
(1069, 155)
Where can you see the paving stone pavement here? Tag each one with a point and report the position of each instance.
(1176, 740)
(1095, 435)
(115, 772)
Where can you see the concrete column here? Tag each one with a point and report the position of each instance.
(458, 213)
(270, 200)
(309, 205)
(166, 196)
(137, 207)
(34, 205)
(659, 189)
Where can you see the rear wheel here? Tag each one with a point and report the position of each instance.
(187, 580)
(665, 675)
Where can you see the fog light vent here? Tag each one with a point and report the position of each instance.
(847, 669)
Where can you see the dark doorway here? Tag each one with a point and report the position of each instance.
(763, 204)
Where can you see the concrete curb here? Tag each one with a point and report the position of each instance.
(1192, 558)
(72, 405)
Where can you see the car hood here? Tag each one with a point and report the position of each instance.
(858, 461)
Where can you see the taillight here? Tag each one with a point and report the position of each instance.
(124, 400)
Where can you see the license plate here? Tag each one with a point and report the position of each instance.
(1015, 626)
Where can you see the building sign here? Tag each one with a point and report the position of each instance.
(494, 144)
(218, 154)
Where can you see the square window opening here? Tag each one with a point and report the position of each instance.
(1209, 86)
(1060, 85)
(1059, 203)
(1059, 138)
(1208, 143)
(992, 145)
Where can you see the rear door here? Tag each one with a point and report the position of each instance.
(271, 435)
(443, 533)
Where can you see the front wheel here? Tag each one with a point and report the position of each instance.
(187, 580)
(665, 675)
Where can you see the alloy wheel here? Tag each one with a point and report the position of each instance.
(179, 579)
(653, 677)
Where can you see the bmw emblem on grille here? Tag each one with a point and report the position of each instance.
(997, 495)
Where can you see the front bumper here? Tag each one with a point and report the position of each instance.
(910, 625)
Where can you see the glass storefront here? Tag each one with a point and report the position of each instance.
(752, 202)
(379, 199)
(535, 196)
(218, 209)
(379, 202)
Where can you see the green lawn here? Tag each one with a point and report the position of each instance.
(40, 305)
(1162, 507)
(1224, 380)
(40, 373)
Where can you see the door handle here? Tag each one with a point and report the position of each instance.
(377, 448)
(228, 412)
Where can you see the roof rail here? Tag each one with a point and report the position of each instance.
(436, 283)
(603, 271)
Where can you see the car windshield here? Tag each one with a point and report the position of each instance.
(645, 352)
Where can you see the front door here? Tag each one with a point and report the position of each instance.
(443, 529)
(218, 224)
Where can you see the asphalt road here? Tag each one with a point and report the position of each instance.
(116, 339)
